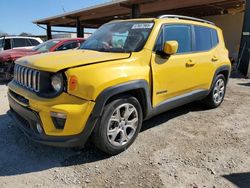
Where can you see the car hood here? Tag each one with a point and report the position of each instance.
(13, 54)
(56, 61)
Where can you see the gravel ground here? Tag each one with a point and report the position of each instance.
(186, 147)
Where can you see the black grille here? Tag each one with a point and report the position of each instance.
(27, 77)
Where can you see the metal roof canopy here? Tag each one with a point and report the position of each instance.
(95, 16)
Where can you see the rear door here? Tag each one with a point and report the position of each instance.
(205, 55)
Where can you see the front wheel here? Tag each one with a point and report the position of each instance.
(119, 125)
(217, 93)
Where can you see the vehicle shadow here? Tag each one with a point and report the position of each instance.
(235, 74)
(4, 82)
(177, 112)
(19, 155)
(244, 84)
(241, 180)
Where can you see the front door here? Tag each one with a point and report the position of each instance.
(173, 75)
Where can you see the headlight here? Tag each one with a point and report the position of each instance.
(57, 82)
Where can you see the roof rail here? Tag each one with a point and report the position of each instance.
(185, 18)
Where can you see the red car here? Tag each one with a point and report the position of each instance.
(8, 57)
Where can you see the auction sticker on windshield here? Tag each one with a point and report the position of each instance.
(143, 26)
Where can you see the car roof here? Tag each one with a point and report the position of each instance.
(180, 20)
(66, 39)
(10, 37)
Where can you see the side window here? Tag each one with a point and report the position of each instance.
(19, 42)
(203, 40)
(69, 45)
(34, 42)
(159, 42)
(28, 43)
(215, 39)
(7, 44)
(181, 34)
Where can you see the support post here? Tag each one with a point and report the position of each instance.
(49, 34)
(135, 11)
(244, 53)
(79, 28)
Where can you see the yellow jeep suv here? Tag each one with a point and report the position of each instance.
(126, 72)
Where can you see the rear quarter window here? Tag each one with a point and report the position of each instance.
(215, 39)
(34, 42)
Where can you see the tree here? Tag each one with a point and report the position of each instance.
(3, 34)
(23, 34)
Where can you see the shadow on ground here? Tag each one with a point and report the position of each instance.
(241, 180)
(4, 83)
(244, 84)
(19, 155)
(235, 74)
(177, 112)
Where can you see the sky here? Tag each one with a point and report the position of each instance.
(16, 16)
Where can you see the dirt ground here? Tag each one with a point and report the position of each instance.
(186, 147)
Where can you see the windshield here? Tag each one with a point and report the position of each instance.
(119, 37)
(44, 47)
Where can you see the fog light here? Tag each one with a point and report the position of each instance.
(39, 128)
(58, 119)
(58, 115)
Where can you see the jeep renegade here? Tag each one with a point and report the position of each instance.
(126, 72)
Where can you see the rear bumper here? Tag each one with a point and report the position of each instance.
(26, 119)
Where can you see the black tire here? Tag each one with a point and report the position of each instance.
(210, 100)
(100, 134)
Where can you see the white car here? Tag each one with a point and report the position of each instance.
(11, 42)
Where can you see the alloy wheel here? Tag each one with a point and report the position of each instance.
(219, 91)
(122, 125)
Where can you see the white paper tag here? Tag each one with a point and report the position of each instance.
(142, 26)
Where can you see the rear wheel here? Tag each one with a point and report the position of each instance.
(119, 125)
(217, 93)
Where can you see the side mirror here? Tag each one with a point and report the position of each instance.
(170, 47)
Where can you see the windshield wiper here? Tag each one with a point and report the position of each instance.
(114, 50)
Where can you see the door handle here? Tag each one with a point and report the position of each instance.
(214, 59)
(190, 63)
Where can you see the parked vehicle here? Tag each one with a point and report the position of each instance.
(126, 72)
(15, 42)
(8, 57)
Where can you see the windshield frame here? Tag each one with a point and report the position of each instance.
(149, 31)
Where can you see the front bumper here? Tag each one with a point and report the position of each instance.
(27, 118)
